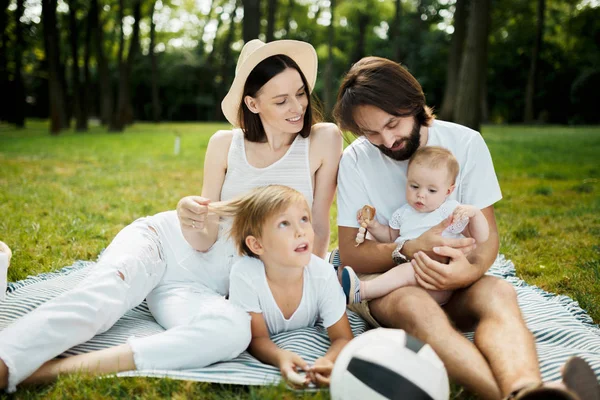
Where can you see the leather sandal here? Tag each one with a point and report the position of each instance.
(579, 378)
(537, 391)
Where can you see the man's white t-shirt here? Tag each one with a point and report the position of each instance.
(367, 176)
(412, 223)
(322, 302)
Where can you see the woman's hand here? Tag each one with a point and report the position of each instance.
(320, 372)
(192, 212)
(289, 363)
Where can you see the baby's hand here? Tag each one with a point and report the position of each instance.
(463, 212)
(320, 372)
(366, 216)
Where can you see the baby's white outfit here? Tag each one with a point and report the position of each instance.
(185, 289)
(323, 302)
(413, 223)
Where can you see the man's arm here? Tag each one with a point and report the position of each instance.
(369, 257)
(462, 270)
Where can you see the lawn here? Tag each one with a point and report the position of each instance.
(64, 198)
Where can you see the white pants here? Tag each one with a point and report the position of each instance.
(201, 326)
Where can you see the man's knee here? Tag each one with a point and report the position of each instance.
(408, 308)
(496, 297)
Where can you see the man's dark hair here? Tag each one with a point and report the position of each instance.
(384, 84)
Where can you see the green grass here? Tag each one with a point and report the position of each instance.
(64, 198)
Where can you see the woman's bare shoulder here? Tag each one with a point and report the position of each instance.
(327, 137)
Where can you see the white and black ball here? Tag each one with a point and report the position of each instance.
(388, 364)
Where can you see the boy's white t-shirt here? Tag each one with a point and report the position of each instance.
(322, 302)
(367, 176)
(413, 224)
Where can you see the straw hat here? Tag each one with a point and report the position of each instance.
(256, 51)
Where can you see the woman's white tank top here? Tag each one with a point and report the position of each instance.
(293, 169)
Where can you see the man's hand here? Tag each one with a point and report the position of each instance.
(433, 275)
(433, 238)
(320, 372)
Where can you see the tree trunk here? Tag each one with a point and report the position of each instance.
(395, 31)
(124, 114)
(468, 102)
(251, 23)
(224, 70)
(290, 12)
(533, 69)
(329, 66)
(19, 98)
(86, 71)
(211, 56)
(153, 62)
(3, 62)
(80, 124)
(106, 99)
(271, 10)
(58, 118)
(363, 23)
(454, 58)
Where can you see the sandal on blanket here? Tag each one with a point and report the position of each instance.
(537, 391)
(579, 377)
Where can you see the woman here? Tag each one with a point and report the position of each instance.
(180, 261)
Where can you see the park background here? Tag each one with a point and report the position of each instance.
(94, 94)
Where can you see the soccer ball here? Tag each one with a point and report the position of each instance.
(388, 364)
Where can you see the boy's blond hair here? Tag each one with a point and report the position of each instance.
(251, 210)
(434, 157)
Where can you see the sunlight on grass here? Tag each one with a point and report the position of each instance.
(64, 198)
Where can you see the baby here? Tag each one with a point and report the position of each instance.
(280, 283)
(431, 178)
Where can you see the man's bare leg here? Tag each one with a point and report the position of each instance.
(501, 334)
(101, 362)
(413, 310)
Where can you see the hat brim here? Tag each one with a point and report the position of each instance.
(302, 53)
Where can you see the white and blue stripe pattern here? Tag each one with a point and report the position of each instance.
(560, 326)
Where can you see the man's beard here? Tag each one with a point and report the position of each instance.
(411, 144)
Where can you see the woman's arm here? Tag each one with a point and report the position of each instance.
(326, 151)
(199, 228)
(263, 348)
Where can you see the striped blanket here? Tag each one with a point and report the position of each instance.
(560, 326)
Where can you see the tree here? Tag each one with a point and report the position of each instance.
(251, 23)
(468, 102)
(329, 66)
(19, 117)
(124, 113)
(395, 31)
(3, 61)
(271, 11)
(56, 96)
(154, 66)
(226, 61)
(454, 58)
(80, 121)
(106, 93)
(533, 69)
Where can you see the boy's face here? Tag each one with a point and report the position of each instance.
(427, 188)
(287, 237)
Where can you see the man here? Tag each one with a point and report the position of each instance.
(384, 105)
